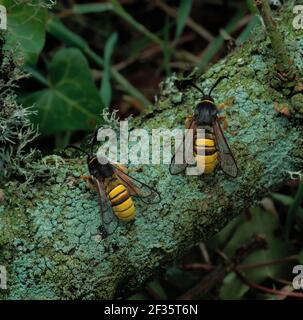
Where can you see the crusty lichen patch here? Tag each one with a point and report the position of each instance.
(48, 234)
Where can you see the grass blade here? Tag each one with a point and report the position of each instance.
(91, 8)
(166, 51)
(59, 31)
(283, 198)
(183, 14)
(216, 44)
(287, 201)
(245, 34)
(106, 90)
(119, 10)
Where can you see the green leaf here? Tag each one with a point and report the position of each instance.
(265, 224)
(232, 288)
(158, 289)
(106, 89)
(26, 26)
(138, 296)
(221, 238)
(284, 199)
(183, 14)
(294, 208)
(288, 202)
(71, 101)
(59, 31)
(182, 280)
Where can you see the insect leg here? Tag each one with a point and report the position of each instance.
(90, 182)
(223, 120)
(188, 121)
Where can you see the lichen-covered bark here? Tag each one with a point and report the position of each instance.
(48, 233)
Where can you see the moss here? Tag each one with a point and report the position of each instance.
(48, 232)
(297, 105)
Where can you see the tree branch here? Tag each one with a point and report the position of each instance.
(48, 233)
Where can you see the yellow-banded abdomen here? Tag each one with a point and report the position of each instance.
(206, 153)
(121, 202)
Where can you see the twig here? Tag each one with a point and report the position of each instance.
(181, 65)
(267, 263)
(205, 34)
(265, 289)
(244, 21)
(153, 50)
(204, 252)
(248, 266)
(283, 60)
(282, 281)
(198, 266)
(217, 276)
(134, 102)
(156, 49)
(205, 285)
(183, 54)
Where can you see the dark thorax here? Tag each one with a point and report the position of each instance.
(206, 112)
(100, 170)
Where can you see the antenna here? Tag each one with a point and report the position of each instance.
(93, 142)
(216, 83)
(198, 88)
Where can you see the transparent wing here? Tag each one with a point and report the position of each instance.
(176, 168)
(108, 218)
(227, 160)
(137, 188)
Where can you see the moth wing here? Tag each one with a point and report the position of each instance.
(176, 168)
(137, 188)
(108, 219)
(226, 157)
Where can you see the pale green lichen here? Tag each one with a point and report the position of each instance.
(48, 234)
(17, 159)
